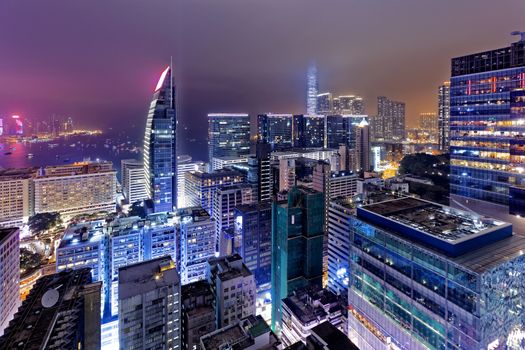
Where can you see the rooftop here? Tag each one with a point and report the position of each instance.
(17, 173)
(312, 305)
(229, 267)
(326, 336)
(446, 229)
(78, 234)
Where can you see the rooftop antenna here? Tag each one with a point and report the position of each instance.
(521, 34)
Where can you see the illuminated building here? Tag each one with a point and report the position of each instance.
(16, 199)
(228, 135)
(428, 122)
(362, 146)
(197, 243)
(487, 118)
(160, 154)
(62, 311)
(286, 174)
(275, 129)
(309, 131)
(233, 286)
(297, 246)
(79, 188)
(133, 187)
(198, 315)
(351, 105)
(259, 174)
(424, 275)
(225, 199)
(9, 275)
(201, 187)
(444, 117)
(218, 163)
(312, 89)
(186, 165)
(324, 103)
(389, 124)
(306, 308)
(149, 305)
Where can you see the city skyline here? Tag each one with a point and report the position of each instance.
(215, 75)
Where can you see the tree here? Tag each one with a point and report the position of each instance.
(43, 222)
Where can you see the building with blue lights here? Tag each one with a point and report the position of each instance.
(487, 126)
(228, 135)
(308, 130)
(160, 154)
(275, 129)
(312, 89)
(426, 276)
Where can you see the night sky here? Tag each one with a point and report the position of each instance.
(99, 60)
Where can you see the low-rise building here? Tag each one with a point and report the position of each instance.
(198, 314)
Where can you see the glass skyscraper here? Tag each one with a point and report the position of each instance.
(312, 90)
(160, 156)
(487, 124)
(444, 117)
(228, 135)
(275, 129)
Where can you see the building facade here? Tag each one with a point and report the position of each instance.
(16, 197)
(186, 165)
(444, 117)
(133, 186)
(308, 131)
(276, 130)
(9, 275)
(389, 124)
(228, 135)
(312, 89)
(198, 314)
(160, 146)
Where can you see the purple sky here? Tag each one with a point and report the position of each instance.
(99, 60)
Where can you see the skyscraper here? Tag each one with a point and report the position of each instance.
(9, 275)
(276, 130)
(444, 117)
(133, 187)
(160, 154)
(309, 130)
(16, 200)
(312, 89)
(487, 114)
(325, 103)
(428, 122)
(259, 174)
(149, 305)
(297, 245)
(186, 165)
(389, 124)
(228, 135)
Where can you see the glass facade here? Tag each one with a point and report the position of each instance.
(444, 117)
(311, 90)
(275, 129)
(487, 123)
(160, 155)
(309, 130)
(228, 135)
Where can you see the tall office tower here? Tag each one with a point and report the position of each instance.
(149, 305)
(228, 135)
(306, 308)
(259, 174)
(124, 248)
(336, 105)
(133, 186)
(160, 146)
(201, 187)
(297, 245)
(79, 188)
(186, 165)
(390, 119)
(197, 313)
(16, 204)
(481, 83)
(62, 311)
(275, 129)
(233, 286)
(253, 224)
(341, 129)
(312, 89)
(325, 103)
(351, 105)
(9, 275)
(423, 272)
(225, 200)
(339, 212)
(309, 131)
(428, 122)
(362, 146)
(197, 243)
(286, 174)
(444, 116)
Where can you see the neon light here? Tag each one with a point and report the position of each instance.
(162, 77)
(469, 87)
(16, 117)
(523, 80)
(493, 79)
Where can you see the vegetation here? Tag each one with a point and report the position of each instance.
(29, 261)
(43, 222)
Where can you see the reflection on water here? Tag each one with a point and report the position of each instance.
(66, 150)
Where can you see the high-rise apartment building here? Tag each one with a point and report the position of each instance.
(253, 226)
(325, 103)
(16, 198)
(62, 311)
(308, 131)
(79, 188)
(9, 275)
(486, 133)
(444, 117)
(133, 186)
(424, 275)
(297, 245)
(286, 174)
(160, 153)
(275, 129)
(186, 165)
(389, 124)
(362, 146)
(228, 135)
(197, 243)
(351, 105)
(198, 314)
(259, 173)
(149, 305)
(312, 89)
(233, 286)
(428, 122)
(201, 187)
(225, 199)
